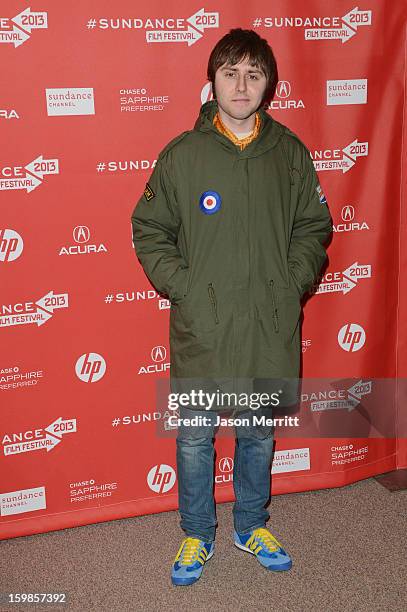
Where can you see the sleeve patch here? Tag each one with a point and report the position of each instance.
(321, 194)
(148, 193)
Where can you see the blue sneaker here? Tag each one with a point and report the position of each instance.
(261, 543)
(190, 559)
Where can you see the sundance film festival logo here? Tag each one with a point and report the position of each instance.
(70, 101)
(161, 478)
(349, 223)
(285, 100)
(162, 30)
(340, 159)
(18, 29)
(343, 282)
(125, 165)
(338, 399)
(11, 245)
(158, 356)
(90, 367)
(46, 438)
(351, 337)
(81, 235)
(27, 177)
(321, 28)
(136, 296)
(39, 312)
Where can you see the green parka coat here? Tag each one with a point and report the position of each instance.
(234, 239)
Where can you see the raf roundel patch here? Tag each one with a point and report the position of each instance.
(321, 194)
(148, 193)
(210, 202)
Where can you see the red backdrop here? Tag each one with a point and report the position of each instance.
(90, 94)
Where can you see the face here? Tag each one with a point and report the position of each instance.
(240, 89)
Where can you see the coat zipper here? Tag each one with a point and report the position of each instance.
(275, 311)
(212, 297)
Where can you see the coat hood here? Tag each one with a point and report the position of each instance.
(270, 131)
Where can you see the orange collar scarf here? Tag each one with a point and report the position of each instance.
(243, 142)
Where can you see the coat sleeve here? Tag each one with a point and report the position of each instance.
(156, 224)
(311, 229)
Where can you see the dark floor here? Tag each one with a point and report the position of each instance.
(348, 547)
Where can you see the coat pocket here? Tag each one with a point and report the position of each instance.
(286, 304)
(199, 310)
(274, 305)
(279, 314)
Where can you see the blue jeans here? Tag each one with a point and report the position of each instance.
(251, 473)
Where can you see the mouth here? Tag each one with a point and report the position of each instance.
(241, 100)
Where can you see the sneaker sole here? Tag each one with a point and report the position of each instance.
(281, 568)
(187, 581)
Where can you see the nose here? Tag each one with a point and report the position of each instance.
(241, 83)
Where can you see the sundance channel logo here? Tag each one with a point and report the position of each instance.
(24, 500)
(346, 91)
(70, 101)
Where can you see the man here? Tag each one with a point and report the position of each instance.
(231, 227)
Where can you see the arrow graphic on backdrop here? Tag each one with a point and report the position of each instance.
(31, 20)
(356, 18)
(52, 301)
(199, 21)
(15, 36)
(351, 22)
(29, 183)
(23, 24)
(45, 308)
(355, 394)
(189, 36)
(36, 170)
(350, 278)
(48, 442)
(62, 427)
(41, 166)
(350, 153)
(344, 33)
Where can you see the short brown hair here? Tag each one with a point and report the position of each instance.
(240, 44)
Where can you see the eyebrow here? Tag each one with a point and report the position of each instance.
(235, 69)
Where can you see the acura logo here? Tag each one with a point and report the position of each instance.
(158, 353)
(283, 89)
(348, 213)
(81, 233)
(226, 464)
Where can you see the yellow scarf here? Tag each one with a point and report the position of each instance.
(243, 142)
